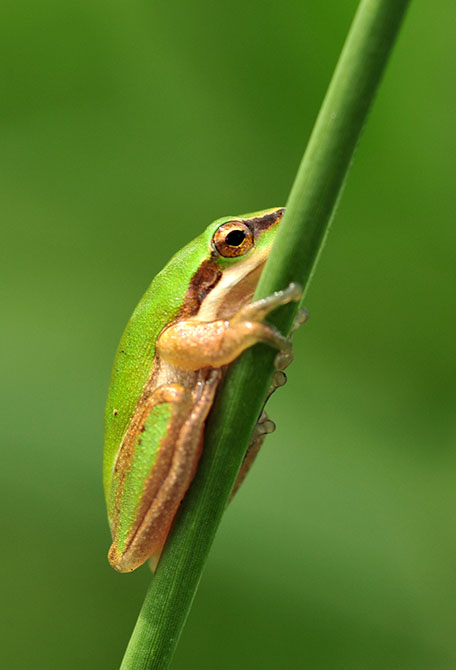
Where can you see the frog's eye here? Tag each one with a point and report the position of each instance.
(232, 239)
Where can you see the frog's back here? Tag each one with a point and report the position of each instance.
(134, 360)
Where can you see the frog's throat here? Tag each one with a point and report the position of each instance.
(210, 308)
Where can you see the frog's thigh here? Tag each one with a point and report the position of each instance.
(196, 344)
(143, 462)
(166, 486)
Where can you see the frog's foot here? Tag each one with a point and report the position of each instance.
(284, 358)
(262, 428)
(264, 425)
(259, 309)
(302, 315)
(279, 379)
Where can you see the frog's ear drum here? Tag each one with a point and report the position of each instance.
(232, 239)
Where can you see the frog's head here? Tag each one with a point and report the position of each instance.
(236, 249)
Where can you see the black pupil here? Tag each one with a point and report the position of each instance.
(235, 238)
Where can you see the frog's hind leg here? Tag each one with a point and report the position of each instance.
(262, 428)
(169, 425)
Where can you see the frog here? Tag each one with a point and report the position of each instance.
(195, 319)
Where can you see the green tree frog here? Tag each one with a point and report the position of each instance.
(196, 317)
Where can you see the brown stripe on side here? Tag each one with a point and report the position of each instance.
(260, 223)
(205, 278)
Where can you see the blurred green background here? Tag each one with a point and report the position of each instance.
(125, 129)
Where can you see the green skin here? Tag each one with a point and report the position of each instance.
(136, 356)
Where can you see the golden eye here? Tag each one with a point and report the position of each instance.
(233, 239)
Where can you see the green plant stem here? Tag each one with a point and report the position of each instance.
(311, 204)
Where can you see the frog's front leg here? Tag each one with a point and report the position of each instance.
(194, 344)
(155, 466)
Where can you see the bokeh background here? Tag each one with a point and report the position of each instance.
(126, 128)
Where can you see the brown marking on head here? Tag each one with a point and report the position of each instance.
(260, 223)
(203, 281)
